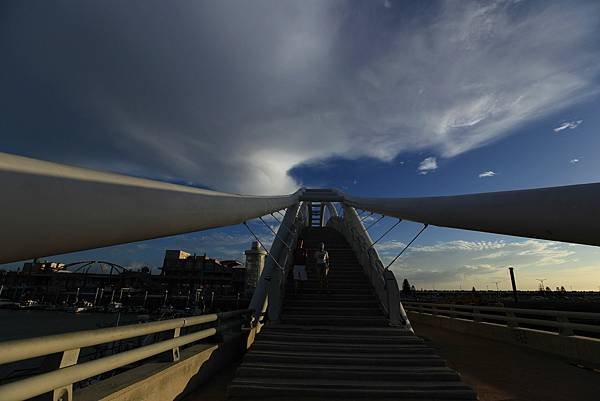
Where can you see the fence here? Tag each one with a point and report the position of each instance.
(564, 323)
(60, 381)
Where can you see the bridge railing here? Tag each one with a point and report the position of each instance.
(565, 323)
(383, 280)
(59, 382)
(267, 298)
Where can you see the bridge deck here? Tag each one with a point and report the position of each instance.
(505, 372)
(336, 343)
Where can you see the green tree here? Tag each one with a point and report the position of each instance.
(406, 287)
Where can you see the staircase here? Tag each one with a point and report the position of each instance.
(337, 344)
(315, 214)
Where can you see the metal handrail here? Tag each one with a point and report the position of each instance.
(544, 312)
(382, 280)
(271, 278)
(509, 316)
(17, 350)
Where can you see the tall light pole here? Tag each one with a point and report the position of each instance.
(497, 282)
(514, 283)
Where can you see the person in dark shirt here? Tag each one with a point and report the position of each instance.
(322, 265)
(300, 275)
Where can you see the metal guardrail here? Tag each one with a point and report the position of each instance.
(61, 380)
(514, 317)
(383, 280)
(269, 288)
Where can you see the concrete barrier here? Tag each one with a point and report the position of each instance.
(582, 350)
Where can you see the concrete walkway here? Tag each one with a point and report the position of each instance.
(501, 372)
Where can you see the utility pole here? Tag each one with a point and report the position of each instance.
(514, 284)
(497, 282)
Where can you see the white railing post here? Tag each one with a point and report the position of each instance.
(511, 319)
(565, 329)
(65, 393)
(393, 298)
(477, 315)
(175, 351)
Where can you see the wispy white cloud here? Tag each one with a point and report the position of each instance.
(568, 125)
(481, 262)
(488, 173)
(457, 245)
(530, 252)
(427, 165)
(493, 255)
(573, 161)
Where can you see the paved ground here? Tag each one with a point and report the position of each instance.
(216, 389)
(501, 372)
(497, 372)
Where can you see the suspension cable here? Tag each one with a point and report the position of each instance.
(376, 221)
(261, 244)
(366, 217)
(275, 234)
(281, 223)
(385, 233)
(407, 245)
(272, 215)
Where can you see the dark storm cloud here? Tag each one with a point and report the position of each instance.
(233, 94)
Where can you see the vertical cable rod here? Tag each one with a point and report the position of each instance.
(407, 245)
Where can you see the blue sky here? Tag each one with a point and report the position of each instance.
(375, 98)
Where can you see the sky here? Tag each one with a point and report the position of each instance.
(378, 98)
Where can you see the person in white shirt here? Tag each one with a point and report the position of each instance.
(299, 267)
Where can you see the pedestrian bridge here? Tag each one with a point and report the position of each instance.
(351, 340)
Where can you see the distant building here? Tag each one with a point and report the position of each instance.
(41, 267)
(255, 262)
(183, 273)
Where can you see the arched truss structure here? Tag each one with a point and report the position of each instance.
(84, 266)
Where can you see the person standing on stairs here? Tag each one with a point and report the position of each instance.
(322, 263)
(299, 266)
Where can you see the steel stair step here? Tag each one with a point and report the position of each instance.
(347, 372)
(318, 310)
(351, 388)
(339, 339)
(338, 359)
(335, 320)
(264, 345)
(336, 330)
